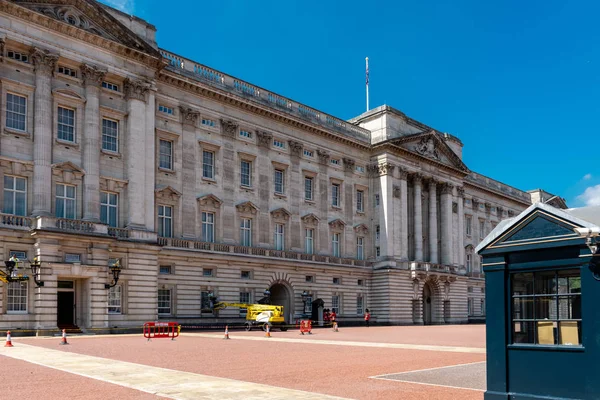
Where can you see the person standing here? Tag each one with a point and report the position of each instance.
(367, 317)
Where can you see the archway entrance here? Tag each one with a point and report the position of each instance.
(427, 304)
(282, 296)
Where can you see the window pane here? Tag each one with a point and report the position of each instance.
(522, 308)
(545, 283)
(545, 307)
(524, 332)
(522, 284)
(570, 333)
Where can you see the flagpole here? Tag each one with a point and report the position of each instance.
(367, 81)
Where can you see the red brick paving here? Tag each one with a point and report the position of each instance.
(341, 371)
(23, 380)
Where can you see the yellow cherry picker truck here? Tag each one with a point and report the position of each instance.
(257, 315)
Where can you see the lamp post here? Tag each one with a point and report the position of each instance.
(11, 275)
(114, 267)
(304, 299)
(592, 237)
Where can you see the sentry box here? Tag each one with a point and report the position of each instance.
(543, 305)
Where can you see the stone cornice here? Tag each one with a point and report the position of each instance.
(92, 75)
(496, 193)
(135, 48)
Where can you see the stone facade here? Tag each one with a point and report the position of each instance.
(111, 148)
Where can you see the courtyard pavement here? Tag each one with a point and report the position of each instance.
(412, 362)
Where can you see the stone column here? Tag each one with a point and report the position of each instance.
(266, 186)
(189, 119)
(433, 231)
(446, 211)
(92, 80)
(386, 220)
(324, 202)
(151, 160)
(403, 175)
(44, 63)
(135, 92)
(461, 226)
(295, 188)
(418, 230)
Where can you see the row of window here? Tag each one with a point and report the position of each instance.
(16, 118)
(469, 227)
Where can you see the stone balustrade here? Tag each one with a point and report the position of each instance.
(499, 187)
(15, 221)
(69, 225)
(258, 251)
(236, 86)
(422, 269)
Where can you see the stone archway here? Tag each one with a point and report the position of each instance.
(282, 294)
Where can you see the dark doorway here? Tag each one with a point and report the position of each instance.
(427, 304)
(65, 309)
(280, 295)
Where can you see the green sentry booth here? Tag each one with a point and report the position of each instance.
(543, 305)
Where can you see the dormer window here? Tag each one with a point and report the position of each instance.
(15, 55)
(110, 86)
(67, 71)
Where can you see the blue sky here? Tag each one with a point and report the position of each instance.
(518, 82)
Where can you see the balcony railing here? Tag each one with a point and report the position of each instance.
(497, 186)
(257, 251)
(238, 87)
(15, 221)
(430, 268)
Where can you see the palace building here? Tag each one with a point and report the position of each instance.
(197, 182)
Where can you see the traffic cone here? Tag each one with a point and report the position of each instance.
(268, 334)
(226, 332)
(8, 340)
(64, 337)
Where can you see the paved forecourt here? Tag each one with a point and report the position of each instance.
(340, 364)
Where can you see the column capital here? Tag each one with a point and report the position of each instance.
(228, 128)
(417, 177)
(475, 202)
(488, 207)
(135, 89)
(447, 188)
(92, 75)
(500, 210)
(189, 116)
(295, 148)
(324, 156)
(43, 61)
(460, 191)
(264, 138)
(386, 168)
(348, 164)
(402, 173)
(2, 44)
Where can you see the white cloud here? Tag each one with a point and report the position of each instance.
(587, 177)
(126, 6)
(591, 196)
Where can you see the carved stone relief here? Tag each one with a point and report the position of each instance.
(210, 200)
(229, 128)
(247, 207)
(281, 214)
(189, 116)
(324, 156)
(348, 164)
(295, 148)
(264, 139)
(92, 75)
(310, 219)
(427, 148)
(385, 168)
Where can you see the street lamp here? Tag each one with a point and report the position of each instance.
(11, 275)
(591, 236)
(36, 271)
(114, 266)
(304, 299)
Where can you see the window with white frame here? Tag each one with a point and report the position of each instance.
(360, 248)
(335, 304)
(165, 109)
(469, 225)
(66, 124)
(481, 229)
(18, 56)
(21, 255)
(164, 301)
(335, 244)
(246, 173)
(73, 258)
(308, 153)
(360, 305)
(360, 169)
(115, 298)
(246, 274)
(15, 195)
(165, 154)
(110, 86)
(309, 279)
(360, 206)
(110, 135)
(208, 272)
(336, 281)
(246, 232)
(165, 270)
(279, 181)
(16, 299)
(109, 208)
(165, 221)
(245, 299)
(334, 161)
(470, 306)
(205, 301)
(65, 201)
(279, 236)
(308, 187)
(278, 143)
(245, 134)
(208, 164)
(309, 240)
(208, 227)
(208, 122)
(16, 112)
(335, 194)
(469, 261)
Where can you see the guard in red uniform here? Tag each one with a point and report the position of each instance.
(367, 317)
